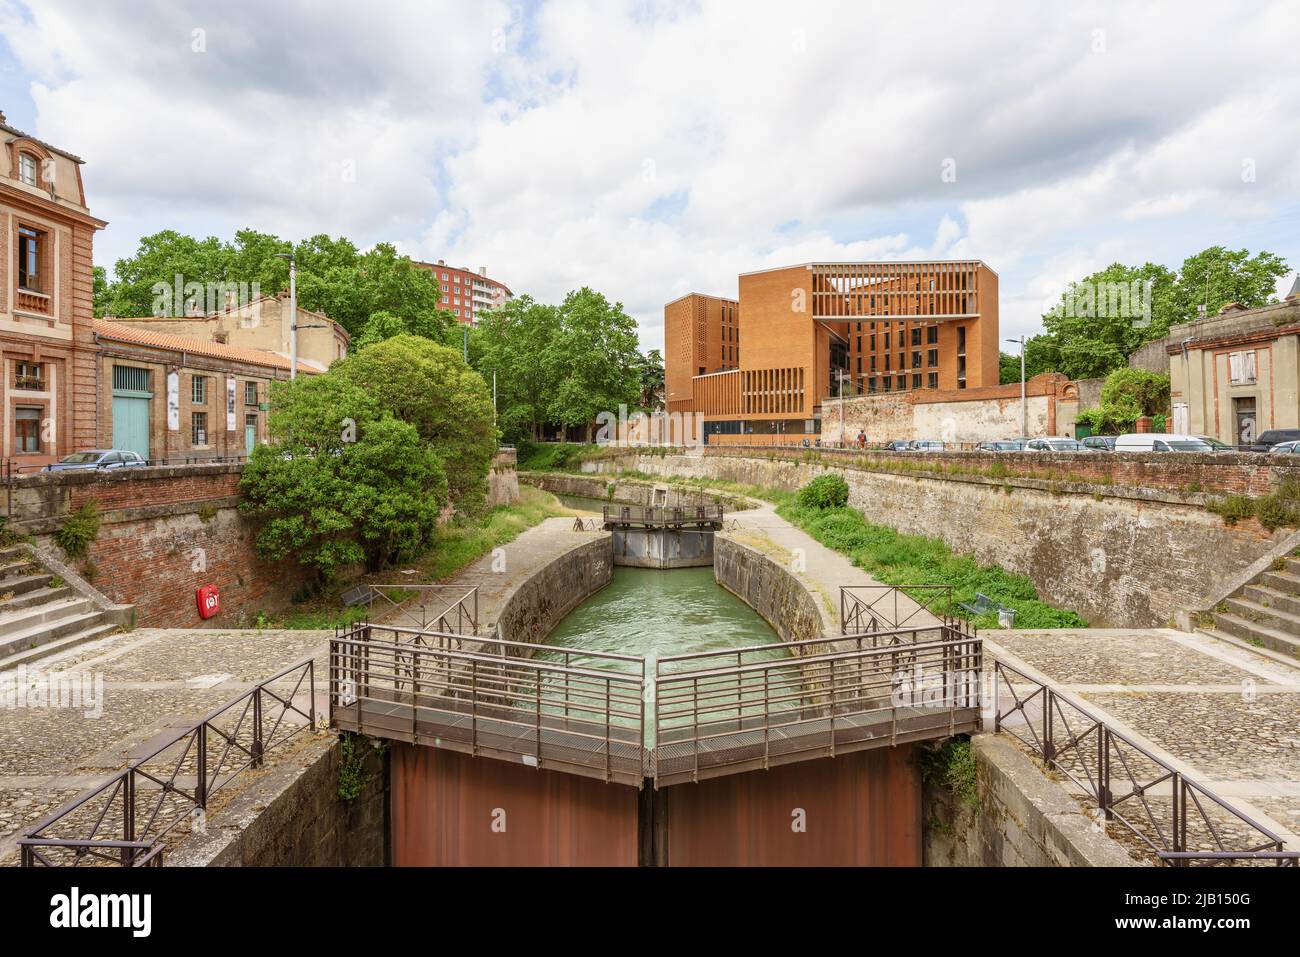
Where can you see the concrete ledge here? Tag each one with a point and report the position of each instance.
(291, 815)
(539, 602)
(1024, 820)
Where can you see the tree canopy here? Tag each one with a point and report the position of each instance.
(559, 364)
(1103, 318)
(334, 277)
(342, 482)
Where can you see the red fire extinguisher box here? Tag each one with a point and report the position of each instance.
(209, 601)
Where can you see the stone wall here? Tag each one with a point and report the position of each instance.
(1119, 554)
(164, 532)
(503, 478)
(1023, 819)
(770, 589)
(632, 491)
(292, 816)
(540, 602)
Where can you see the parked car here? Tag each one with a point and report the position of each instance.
(97, 459)
(1285, 448)
(1215, 444)
(1265, 441)
(898, 445)
(924, 445)
(1160, 442)
(1006, 445)
(1100, 443)
(1054, 444)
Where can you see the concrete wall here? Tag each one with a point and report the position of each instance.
(1118, 554)
(292, 816)
(771, 590)
(626, 491)
(549, 594)
(503, 478)
(1023, 819)
(662, 547)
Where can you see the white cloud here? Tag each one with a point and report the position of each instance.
(650, 148)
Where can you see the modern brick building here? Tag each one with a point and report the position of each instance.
(817, 330)
(47, 358)
(467, 294)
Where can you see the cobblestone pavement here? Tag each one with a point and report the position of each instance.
(134, 685)
(1228, 718)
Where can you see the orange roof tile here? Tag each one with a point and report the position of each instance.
(213, 350)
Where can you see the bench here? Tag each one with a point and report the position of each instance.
(356, 596)
(983, 605)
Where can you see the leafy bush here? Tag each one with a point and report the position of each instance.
(79, 530)
(825, 491)
(952, 766)
(898, 559)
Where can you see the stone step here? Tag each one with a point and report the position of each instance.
(19, 568)
(1255, 633)
(59, 644)
(48, 613)
(26, 583)
(1292, 566)
(1282, 581)
(1272, 598)
(12, 552)
(46, 632)
(37, 595)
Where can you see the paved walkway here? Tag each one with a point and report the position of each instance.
(1225, 716)
(157, 679)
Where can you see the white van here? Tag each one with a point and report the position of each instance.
(1160, 442)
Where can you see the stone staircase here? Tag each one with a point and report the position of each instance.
(42, 613)
(1266, 610)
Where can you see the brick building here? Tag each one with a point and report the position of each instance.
(467, 294)
(262, 324)
(817, 330)
(1237, 374)
(47, 358)
(168, 397)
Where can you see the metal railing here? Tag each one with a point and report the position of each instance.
(761, 710)
(124, 820)
(1176, 818)
(663, 514)
(497, 700)
(872, 607)
(456, 612)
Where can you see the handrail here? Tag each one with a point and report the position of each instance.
(483, 641)
(855, 606)
(831, 641)
(1095, 756)
(142, 824)
(464, 609)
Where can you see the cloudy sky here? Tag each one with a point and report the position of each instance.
(651, 148)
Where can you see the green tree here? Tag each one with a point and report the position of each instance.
(100, 292)
(1217, 276)
(342, 482)
(1125, 395)
(519, 343)
(652, 381)
(428, 386)
(596, 352)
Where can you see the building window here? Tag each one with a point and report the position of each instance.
(130, 379)
(916, 381)
(916, 336)
(932, 335)
(30, 375)
(250, 393)
(902, 383)
(31, 248)
(199, 389)
(1241, 367)
(27, 430)
(932, 358)
(932, 380)
(198, 428)
(27, 168)
(916, 360)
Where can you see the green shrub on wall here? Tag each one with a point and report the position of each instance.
(825, 491)
(79, 530)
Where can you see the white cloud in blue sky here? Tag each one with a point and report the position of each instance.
(648, 149)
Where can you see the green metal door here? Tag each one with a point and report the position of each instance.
(131, 424)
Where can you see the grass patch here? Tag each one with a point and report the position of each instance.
(951, 766)
(898, 559)
(458, 543)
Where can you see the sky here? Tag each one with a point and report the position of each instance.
(649, 149)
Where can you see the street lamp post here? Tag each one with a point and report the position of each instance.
(839, 377)
(293, 313)
(1024, 411)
